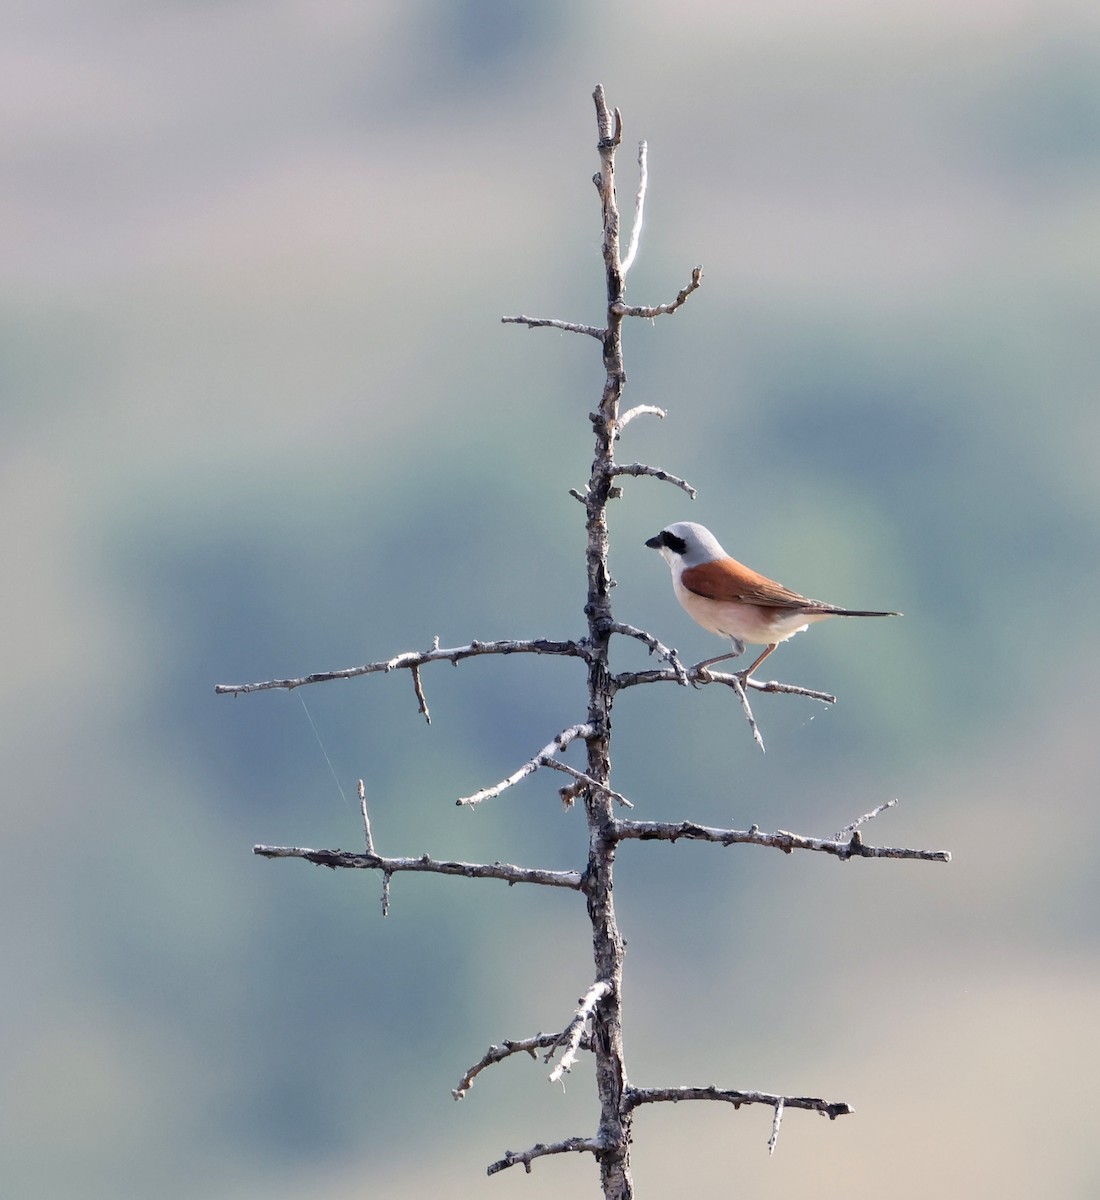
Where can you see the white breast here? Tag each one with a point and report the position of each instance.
(750, 623)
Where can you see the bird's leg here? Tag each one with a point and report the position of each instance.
(736, 652)
(749, 670)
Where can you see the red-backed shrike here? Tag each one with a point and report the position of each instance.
(734, 601)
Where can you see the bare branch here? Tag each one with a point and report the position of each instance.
(544, 758)
(366, 816)
(628, 679)
(571, 1034)
(738, 687)
(496, 1054)
(655, 647)
(673, 1095)
(659, 310)
(419, 688)
(656, 472)
(773, 685)
(777, 1120)
(866, 817)
(780, 840)
(552, 323)
(570, 1145)
(417, 658)
(639, 410)
(639, 207)
(386, 875)
(391, 866)
(587, 781)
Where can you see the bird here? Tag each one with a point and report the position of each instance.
(734, 601)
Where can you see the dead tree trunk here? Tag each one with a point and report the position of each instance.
(596, 1025)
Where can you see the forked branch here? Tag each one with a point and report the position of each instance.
(575, 1030)
(425, 864)
(633, 1097)
(497, 1054)
(574, 1145)
(544, 758)
(840, 846)
(673, 1095)
(703, 677)
(660, 310)
(656, 472)
(655, 647)
(416, 659)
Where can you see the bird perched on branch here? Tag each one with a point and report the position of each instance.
(734, 601)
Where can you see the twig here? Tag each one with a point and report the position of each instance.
(571, 1034)
(656, 472)
(773, 685)
(366, 817)
(659, 310)
(419, 687)
(739, 688)
(391, 866)
(496, 1054)
(639, 207)
(386, 875)
(633, 1096)
(655, 647)
(417, 658)
(866, 817)
(544, 758)
(781, 839)
(552, 323)
(777, 1120)
(579, 1145)
(639, 410)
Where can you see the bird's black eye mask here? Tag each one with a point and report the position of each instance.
(676, 544)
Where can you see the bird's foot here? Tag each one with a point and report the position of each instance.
(700, 674)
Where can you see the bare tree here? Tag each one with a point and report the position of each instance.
(596, 1025)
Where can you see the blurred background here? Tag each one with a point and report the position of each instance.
(260, 418)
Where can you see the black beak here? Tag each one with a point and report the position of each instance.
(655, 543)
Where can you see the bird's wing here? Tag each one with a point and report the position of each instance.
(726, 579)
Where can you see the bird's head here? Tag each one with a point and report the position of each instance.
(686, 544)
